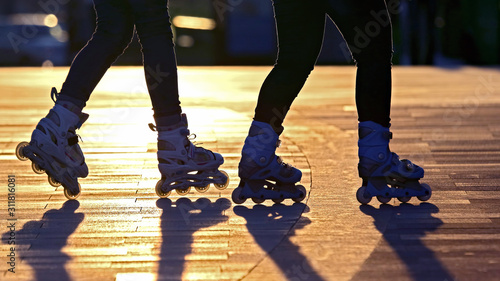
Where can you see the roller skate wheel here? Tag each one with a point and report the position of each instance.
(404, 199)
(54, 182)
(202, 189)
(70, 196)
(428, 192)
(19, 151)
(222, 186)
(237, 197)
(37, 169)
(183, 192)
(360, 195)
(303, 192)
(258, 200)
(383, 199)
(159, 191)
(278, 201)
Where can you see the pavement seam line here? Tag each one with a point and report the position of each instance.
(291, 227)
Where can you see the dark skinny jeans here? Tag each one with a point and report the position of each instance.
(367, 30)
(115, 28)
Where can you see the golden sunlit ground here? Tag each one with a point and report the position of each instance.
(446, 120)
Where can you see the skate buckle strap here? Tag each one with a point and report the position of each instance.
(388, 135)
(54, 94)
(83, 118)
(191, 150)
(73, 140)
(282, 163)
(185, 132)
(191, 138)
(410, 167)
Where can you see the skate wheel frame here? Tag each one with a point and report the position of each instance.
(202, 189)
(302, 189)
(37, 169)
(19, 151)
(404, 199)
(362, 198)
(53, 182)
(158, 190)
(237, 197)
(383, 199)
(70, 196)
(278, 201)
(183, 192)
(224, 185)
(258, 200)
(428, 190)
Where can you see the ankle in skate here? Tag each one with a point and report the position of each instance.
(54, 148)
(384, 174)
(183, 165)
(263, 174)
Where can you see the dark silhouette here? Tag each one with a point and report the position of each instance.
(186, 217)
(262, 218)
(421, 262)
(52, 233)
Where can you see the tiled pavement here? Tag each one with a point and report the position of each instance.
(446, 120)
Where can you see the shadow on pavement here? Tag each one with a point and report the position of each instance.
(50, 234)
(179, 222)
(272, 228)
(403, 228)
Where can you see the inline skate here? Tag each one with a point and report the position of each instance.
(54, 148)
(383, 174)
(184, 165)
(263, 174)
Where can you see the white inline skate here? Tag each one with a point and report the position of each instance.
(263, 174)
(184, 165)
(383, 174)
(54, 149)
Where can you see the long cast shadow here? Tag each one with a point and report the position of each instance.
(179, 222)
(46, 238)
(269, 226)
(410, 222)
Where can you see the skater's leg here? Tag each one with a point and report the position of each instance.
(54, 148)
(181, 163)
(179, 159)
(300, 26)
(367, 29)
(258, 158)
(384, 174)
(263, 174)
(155, 34)
(113, 33)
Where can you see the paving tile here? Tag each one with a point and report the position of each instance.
(120, 230)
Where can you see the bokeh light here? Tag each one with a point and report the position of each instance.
(50, 20)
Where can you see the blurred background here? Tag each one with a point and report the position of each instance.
(242, 32)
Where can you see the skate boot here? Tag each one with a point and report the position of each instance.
(263, 174)
(383, 174)
(183, 165)
(54, 149)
